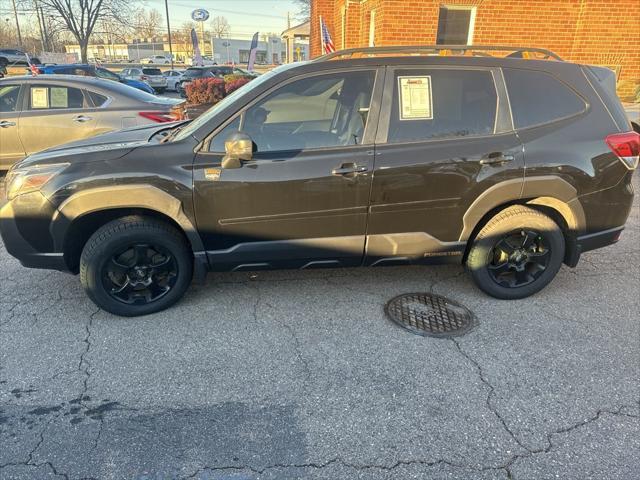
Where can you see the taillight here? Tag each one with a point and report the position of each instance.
(160, 117)
(144, 77)
(626, 146)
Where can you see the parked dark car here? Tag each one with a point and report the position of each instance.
(9, 56)
(508, 166)
(41, 112)
(194, 73)
(85, 70)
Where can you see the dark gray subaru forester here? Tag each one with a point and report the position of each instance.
(371, 157)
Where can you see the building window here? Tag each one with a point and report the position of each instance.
(455, 25)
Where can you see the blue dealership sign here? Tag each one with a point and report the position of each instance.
(200, 15)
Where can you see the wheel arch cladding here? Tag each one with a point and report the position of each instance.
(82, 214)
(549, 194)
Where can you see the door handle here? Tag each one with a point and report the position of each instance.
(349, 168)
(81, 119)
(7, 124)
(496, 158)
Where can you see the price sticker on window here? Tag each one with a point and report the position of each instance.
(39, 97)
(416, 102)
(59, 97)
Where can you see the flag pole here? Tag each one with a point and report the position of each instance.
(321, 36)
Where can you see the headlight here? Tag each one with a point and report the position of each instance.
(30, 179)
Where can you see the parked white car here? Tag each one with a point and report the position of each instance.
(161, 59)
(206, 61)
(173, 77)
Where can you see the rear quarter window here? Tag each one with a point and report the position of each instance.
(538, 98)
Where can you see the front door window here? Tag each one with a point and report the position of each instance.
(323, 111)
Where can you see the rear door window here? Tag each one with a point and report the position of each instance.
(537, 98)
(433, 104)
(55, 97)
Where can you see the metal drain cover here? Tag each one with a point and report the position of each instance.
(430, 315)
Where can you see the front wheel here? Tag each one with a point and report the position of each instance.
(136, 266)
(517, 253)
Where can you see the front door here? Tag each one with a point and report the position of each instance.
(11, 149)
(445, 136)
(302, 200)
(55, 115)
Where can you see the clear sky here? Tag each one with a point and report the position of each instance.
(245, 17)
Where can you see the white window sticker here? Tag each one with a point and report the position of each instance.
(59, 97)
(416, 102)
(39, 97)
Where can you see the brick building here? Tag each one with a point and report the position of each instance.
(599, 32)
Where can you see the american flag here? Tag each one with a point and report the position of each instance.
(34, 70)
(327, 43)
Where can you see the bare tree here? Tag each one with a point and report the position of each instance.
(147, 23)
(220, 27)
(81, 16)
(304, 9)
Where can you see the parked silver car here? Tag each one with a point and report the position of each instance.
(152, 75)
(173, 77)
(40, 112)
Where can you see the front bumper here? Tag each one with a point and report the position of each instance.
(13, 235)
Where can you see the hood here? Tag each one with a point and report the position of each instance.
(108, 146)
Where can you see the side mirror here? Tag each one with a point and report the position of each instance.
(239, 148)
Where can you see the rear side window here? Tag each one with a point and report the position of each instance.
(9, 98)
(97, 99)
(151, 71)
(435, 103)
(50, 97)
(537, 98)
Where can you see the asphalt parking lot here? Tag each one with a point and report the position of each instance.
(299, 375)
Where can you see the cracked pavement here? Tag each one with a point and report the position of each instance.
(299, 375)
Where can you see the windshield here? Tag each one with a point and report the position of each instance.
(104, 73)
(191, 128)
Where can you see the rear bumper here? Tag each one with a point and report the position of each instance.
(600, 239)
(20, 248)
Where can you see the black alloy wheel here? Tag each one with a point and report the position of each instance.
(140, 274)
(519, 258)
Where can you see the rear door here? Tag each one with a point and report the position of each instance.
(54, 114)
(11, 149)
(445, 136)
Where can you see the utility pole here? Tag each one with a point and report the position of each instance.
(15, 12)
(42, 39)
(166, 7)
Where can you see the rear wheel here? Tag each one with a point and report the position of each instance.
(160, 90)
(517, 253)
(135, 266)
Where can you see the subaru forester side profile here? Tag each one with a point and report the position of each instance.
(365, 157)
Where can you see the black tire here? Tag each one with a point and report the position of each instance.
(526, 270)
(118, 243)
(3, 62)
(160, 90)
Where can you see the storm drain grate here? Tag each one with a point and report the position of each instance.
(430, 315)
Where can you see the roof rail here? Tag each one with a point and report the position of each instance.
(516, 52)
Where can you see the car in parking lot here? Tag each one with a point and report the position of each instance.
(161, 59)
(86, 70)
(363, 157)
(149, 75)
(10, 56)
(41, 112)
(195, 73)
(173, 78)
